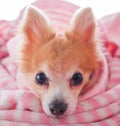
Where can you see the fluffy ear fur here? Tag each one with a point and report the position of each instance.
(82, 25)
(36, 31)
(36, 26)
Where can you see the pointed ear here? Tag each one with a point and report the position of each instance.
(82, 25)
(36, 25)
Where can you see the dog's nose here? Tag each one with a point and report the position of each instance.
(58, 108)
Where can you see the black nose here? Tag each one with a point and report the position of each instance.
(58, 108)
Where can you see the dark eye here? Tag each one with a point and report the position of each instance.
(41, 79)
(76, 79)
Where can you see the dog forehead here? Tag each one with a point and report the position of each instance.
(56, 72)
(60, 45)
(58, 54)
(61, 55)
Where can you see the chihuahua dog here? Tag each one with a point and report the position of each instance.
(58, 68)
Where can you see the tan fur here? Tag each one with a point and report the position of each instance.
(74, 51)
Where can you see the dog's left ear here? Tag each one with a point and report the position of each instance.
(82, 25)
(36, 26)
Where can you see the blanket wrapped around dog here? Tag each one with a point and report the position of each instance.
(100, 106)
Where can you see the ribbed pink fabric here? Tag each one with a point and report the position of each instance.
(99, 107)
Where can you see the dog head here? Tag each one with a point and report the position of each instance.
(58, 67)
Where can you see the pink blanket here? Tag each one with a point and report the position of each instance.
(99, 107)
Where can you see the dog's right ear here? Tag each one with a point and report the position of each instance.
(82, 26)
(36, 26)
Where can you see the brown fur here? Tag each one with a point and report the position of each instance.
(76, 48)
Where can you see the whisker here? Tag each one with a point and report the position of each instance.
(35, 108)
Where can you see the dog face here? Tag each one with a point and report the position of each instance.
(58, 67)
